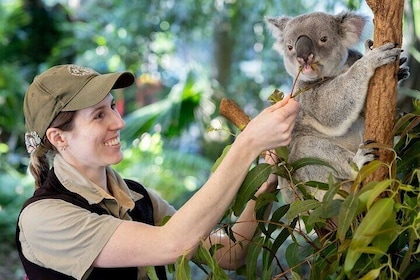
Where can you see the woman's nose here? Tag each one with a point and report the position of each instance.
(117, 121)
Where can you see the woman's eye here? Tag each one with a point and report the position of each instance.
(99, 115)
(113, 105)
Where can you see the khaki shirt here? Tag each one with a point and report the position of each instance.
(66, 238)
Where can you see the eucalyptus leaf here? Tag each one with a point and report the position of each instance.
(292, 255)
(253, 180)
(367, 230)
(346, 215)
(276, 217)
(220, 158)
(281, 238)
(366, 171)
(302, 162)
(372, 275)
(254, 250)
(183, 270)
(301, 206)
(377, 190)
(283, 153)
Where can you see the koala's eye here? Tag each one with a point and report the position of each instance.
(289, 47)
(323, 39)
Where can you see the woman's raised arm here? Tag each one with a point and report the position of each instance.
(137, 244)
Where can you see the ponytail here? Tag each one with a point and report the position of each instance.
(40, 162)
(42, 157)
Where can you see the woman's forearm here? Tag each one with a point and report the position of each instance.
(233, 253)
(208, 205)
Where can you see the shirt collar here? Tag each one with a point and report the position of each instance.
(76, 182)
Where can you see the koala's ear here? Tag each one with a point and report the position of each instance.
(352, 27)
(277, 24)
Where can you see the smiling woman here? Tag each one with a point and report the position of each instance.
(86, 222)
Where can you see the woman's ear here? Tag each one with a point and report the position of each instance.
(56, 137)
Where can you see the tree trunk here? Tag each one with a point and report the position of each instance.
(382, 93)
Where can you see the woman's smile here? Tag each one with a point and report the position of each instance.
(113, 142)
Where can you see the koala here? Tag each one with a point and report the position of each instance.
(333, 79)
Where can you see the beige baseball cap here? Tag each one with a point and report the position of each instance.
(66, 88)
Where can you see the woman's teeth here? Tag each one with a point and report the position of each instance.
(112, 142)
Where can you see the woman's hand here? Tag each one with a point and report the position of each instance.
(272, 128)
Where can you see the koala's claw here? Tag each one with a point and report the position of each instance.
(365, 155)
(367, 142)
(403, 73)
(368, 45)
(372, 150)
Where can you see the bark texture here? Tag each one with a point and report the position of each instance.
(382, 96)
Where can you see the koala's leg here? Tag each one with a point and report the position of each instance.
(340, 158)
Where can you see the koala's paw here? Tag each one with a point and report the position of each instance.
(403, 71)
(365, 154)
(385, 54)
(368, 45)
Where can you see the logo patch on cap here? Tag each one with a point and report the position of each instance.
(77, 70)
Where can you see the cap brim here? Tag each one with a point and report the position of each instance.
(97, 89)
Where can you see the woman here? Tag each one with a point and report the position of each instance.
(85, 222)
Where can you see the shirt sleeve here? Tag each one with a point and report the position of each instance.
(64, 237)
(161, 208)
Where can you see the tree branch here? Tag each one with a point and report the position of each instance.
(382, 93)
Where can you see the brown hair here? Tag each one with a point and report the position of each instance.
(41, 157)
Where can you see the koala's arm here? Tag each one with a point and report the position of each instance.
(333, 106)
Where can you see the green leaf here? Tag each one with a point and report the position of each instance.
(151, 273)
(266, 264)
(387, 234)
(282, 171)
(368, 229)
(365, 171)
(296, 276)
(183, 270)
(204, 256)
(283, 235)
(254, 250)
(301, 206)
(332, 190)
(326, 210)
(219, 159)
(346, 215)
(292, 255)
(318, 185)
(276, 217)
(262, 202)
(253, 180)
(283, 153)
(369, 250)
(372, 275)
(302, 162)
(378, 188)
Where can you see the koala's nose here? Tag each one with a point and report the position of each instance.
(304, 50)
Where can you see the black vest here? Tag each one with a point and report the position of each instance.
(52, 188)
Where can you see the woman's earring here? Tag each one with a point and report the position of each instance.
(62, 148)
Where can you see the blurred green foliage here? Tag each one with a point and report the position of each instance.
(187, 55)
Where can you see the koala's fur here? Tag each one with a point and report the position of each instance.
(330, 123)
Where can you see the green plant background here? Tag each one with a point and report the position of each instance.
(188, 55)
